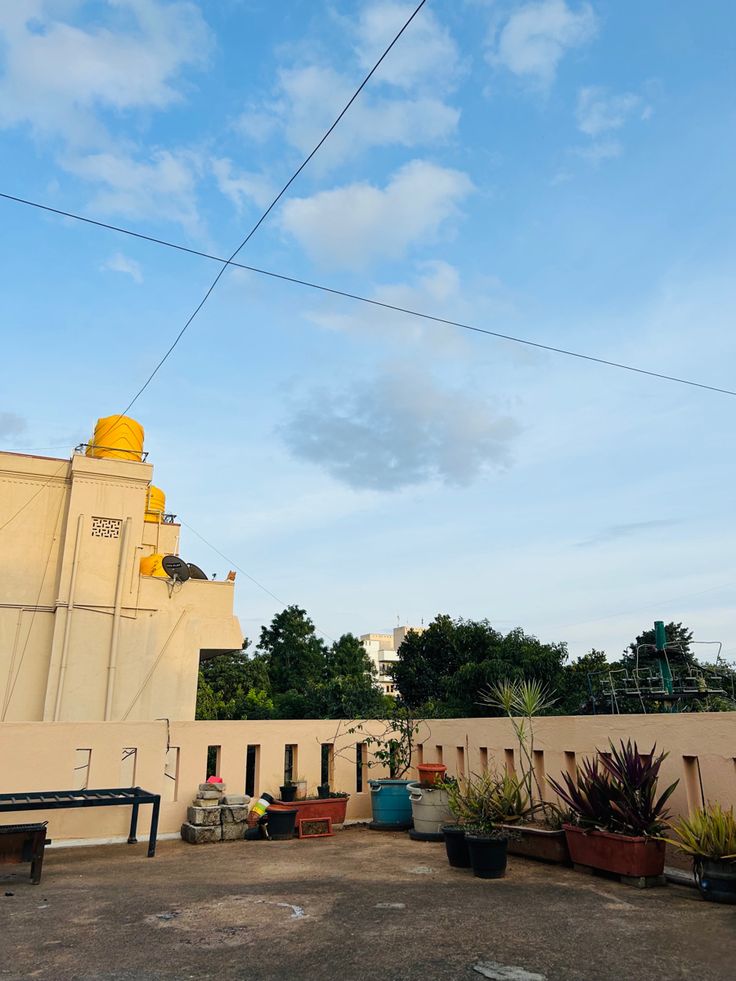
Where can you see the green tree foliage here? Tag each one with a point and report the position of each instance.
(574, 694)
(293, 653)
(441, 671)
(350, 690)
(234, 686)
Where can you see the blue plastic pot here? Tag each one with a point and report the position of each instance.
(391, 805)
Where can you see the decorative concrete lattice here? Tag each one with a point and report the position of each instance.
(106, 527)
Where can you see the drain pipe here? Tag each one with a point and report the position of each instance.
(115, 637)
(68, 621)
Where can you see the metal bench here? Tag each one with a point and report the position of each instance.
(120, 796)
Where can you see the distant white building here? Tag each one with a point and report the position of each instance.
(383, 649)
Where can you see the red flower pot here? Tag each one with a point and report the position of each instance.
(430, 773)
(622, 854)
(315, 808)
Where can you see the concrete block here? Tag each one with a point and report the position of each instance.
(237, 815)
(236, 800)
(207, 794)
(201, 835)
(218, 788)
(206, 802)
(233, 832)
(203, 815)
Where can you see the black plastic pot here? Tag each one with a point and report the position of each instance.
(716, 880)
(487, 855)
(456, 846)
(288, 793)
(281, 824)
(323, 791)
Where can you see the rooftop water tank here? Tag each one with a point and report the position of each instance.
(117, 438)
(151, 565)
(155, 505)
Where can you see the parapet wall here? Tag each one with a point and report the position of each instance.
(170, 758)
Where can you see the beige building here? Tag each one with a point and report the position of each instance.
(86, 634)
(383, 650)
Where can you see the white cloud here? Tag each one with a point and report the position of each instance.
(400, 429)
(425, 53)
(357, 223)
(535, 38)
(599, 150)
(598, 112)
(163, 186)
(307, 100)
(57, 75)
(123, 264)
(242, 187)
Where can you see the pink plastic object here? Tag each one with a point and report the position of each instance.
(214, 779)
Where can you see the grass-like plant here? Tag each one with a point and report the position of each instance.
(482, 802)
(522, 700)
(708, 833)
(617, 792)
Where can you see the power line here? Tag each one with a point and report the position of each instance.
(320, 287)
(246, 574)
(269, 209)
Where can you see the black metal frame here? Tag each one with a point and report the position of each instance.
(105, 797)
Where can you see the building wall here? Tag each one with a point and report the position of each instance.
(382, 649)
(170, 758)
(84, 636)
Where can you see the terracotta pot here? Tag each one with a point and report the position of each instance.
(622, 854)
(309, 810)
(540, 843)
(430, 773)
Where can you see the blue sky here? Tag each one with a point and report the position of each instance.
(561, 171)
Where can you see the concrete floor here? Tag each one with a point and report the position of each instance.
(359, 905)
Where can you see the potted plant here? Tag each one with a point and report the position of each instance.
(323, 791)
(430, 810)
(617, 816)
(537, 823)
(477, 839)
(333, 806)
(709, 837)
(393, 748)
(288, 792)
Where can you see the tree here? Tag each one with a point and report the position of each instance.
(441, 671)
(295, 658)
(574, 690)
(350, 690)
(234, 686)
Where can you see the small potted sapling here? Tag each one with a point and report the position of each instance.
(709, 837)
(618, 816)
(288, 792)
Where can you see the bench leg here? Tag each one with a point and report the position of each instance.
(133, 825)
(37, 865)
(154, 828)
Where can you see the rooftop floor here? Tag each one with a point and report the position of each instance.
(359, 905)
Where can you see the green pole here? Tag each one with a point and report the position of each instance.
(660, 639)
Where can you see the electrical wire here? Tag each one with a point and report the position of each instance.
(272, 205)
(33, 497)
(246, 574)
(296, 281)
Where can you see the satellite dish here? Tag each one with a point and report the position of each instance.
(175, 568)
(195, 572)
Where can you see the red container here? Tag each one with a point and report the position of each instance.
(622, 854)
(430, 773)
(315, 808)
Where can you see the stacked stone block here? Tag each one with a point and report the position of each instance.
(215, 816)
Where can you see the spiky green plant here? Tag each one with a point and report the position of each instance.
(485, 800)
(709, 832)
(522, 700)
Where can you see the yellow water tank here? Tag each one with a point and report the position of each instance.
(151, 565)
(155, 504)
(117, 438)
